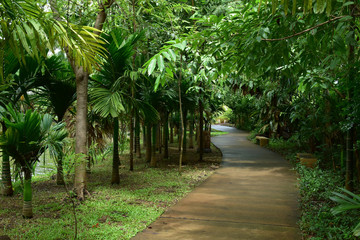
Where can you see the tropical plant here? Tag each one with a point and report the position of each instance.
(26, 138)
(347, 201)
(109, 86)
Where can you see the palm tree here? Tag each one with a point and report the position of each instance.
(27, 136)
(10, 67)
(109, 84)
(58, 93)
(26, 24)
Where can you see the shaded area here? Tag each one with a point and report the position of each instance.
(253, 196)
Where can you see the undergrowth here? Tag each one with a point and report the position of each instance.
(316, 186)
(110, 212)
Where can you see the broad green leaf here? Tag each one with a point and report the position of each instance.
(151, 66)
(172, 54)
(160, 62)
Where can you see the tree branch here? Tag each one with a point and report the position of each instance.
(302, 32)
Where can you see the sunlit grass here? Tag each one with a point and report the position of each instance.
(110, 211)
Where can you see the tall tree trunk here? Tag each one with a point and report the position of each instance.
(132, 140)
(137, 135)
(201, 132)
(171, 132)
(81, 132)
(6, 172)
(144, 135)
(185, 127)
(27, 204)
(60, 172)
(181, 115)
(166, 136)
(115, 179)
(158, 137)
(349, 178)
(6, 176)
(191, 131)
(153, 150)
(82, 77)
(148, 143)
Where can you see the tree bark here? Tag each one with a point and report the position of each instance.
(148, 143)
(60, 172)
(27, 204)
(191, 132)
(153, 161)
(81, 132)
(115, 179)
(5, 171)
(82, 77)
(185, 112)
(137, 135)
(181, 116)
(166, 136)
(349, 178)
(6, 176)
(131, 140)
(144, 135)
(201, 132)
(171, 131)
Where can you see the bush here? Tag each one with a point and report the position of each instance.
(317, 221)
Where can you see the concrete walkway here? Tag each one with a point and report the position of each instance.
(252, 196)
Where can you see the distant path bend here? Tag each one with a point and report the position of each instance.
(252, 196)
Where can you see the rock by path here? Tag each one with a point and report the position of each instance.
(252, 196)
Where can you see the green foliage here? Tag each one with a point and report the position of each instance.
(26, 24)
(316, 188)
(112, 212)
(28, 135)
(346, 201)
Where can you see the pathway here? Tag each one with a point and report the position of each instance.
(252, 196)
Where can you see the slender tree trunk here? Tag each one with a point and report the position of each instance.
(349, 178)
(115, 179)
(6, 172)
(27, 204)
(60, 172)
(153, 150)
(148, 143)
(6, 176)
(137, 135)
(191, 132)
(171, 132)
(166, 136)
(158, 137)
(201, 132)
(181, 116)
(185, 127)
(82, 77)
(132, 140)
(144, 135)
(81, 132)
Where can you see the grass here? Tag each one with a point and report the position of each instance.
(316, 186)
(110, 212)
(215, 132)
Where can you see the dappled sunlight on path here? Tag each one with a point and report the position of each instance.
(252, 196)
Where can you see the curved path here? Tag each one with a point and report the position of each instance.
(252, 196)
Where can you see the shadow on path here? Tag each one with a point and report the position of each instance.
(252, 196)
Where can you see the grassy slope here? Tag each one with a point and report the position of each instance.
(110, 212)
